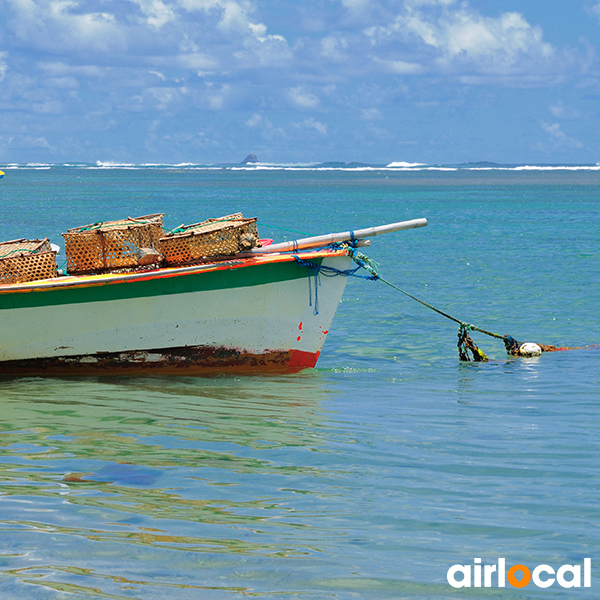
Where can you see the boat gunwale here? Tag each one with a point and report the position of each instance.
(74, 281)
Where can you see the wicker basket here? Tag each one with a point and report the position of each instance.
(114, 244)
(224, 236)
(26, 260)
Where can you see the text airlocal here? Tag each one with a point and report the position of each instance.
(543, 576)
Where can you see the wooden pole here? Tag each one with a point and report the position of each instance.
(344, 236)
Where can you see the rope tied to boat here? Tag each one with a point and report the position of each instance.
(465, 344)
(467, 348)
(315, 271)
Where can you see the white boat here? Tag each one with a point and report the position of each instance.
(265, 310)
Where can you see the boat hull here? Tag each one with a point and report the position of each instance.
(265, 313)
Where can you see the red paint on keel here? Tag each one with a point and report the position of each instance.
(300, 359)
(198, 360)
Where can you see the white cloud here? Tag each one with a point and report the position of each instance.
(317, 125)
(254, 120)
(355, 6)
(259, 30)
(58, 25)
(561, 111)
(163, 95)
(216, 100)
(193, 61)
(302, 98)
(334, 47)
(62, 82)
(559, 137)
(234, 17)
(410, 37)
(413, 3)
(49, 107)
(459, 37)
(399, 67)
(156, 12)
(557, 109)
(61, 69)
(3, 64)
(513, 80)
(194, 34)
(267, 130)
(99, 62)
(371, 114)
(24, 141)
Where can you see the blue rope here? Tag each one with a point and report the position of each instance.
(315, 270)
(317, 284)
(332, 271)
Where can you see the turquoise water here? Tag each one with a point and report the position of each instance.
(367, 477)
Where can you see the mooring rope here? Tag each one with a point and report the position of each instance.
(465, 342)
(315, 271)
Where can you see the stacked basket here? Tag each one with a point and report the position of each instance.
(26, 260)
(127, 244)
(225, 236)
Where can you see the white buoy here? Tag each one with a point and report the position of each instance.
(530, 349)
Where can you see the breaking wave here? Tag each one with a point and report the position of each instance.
(396, 166)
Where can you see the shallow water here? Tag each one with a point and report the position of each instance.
(367, 477)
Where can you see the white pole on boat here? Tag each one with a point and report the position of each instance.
(344, 236)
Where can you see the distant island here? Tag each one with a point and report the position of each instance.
(251, 158)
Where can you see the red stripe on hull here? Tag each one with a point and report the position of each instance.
(303, 360)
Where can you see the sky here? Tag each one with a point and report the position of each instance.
(375, 81)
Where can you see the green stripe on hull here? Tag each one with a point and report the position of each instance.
(156, 285)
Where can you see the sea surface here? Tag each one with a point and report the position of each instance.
(365, 478)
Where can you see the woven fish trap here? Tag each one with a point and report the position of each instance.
(26, 260)
(213, 238)
(109, 245)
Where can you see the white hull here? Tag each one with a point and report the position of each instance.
(272, 322)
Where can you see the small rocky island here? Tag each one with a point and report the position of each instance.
(251, 158)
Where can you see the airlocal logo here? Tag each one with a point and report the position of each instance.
(478, 575)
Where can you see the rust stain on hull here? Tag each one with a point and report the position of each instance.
(185, 360)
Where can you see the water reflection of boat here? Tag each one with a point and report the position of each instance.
(262, 311)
